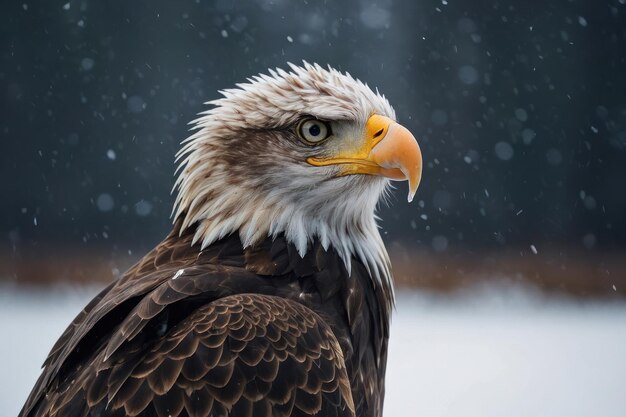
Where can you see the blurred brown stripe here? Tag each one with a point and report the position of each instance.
(551, 270)
(49, 265)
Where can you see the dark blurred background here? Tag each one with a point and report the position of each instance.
(519, 107)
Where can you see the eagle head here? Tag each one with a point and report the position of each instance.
(306, 153)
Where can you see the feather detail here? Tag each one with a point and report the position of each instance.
(217, 192)
(271, 295)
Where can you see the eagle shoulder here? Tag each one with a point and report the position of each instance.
(245, 355)
(120, 345)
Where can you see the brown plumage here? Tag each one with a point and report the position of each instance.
(272, 294)
(243, 332)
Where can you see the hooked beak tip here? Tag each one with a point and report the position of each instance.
(400, 157)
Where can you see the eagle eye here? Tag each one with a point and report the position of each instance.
(313, 131)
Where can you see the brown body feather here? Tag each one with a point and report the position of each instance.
(224, 331)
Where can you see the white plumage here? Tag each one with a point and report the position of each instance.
(302, 205)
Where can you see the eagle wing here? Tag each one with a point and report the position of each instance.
(242, 355)
(185, 336)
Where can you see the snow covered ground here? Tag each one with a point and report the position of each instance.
(503, 352)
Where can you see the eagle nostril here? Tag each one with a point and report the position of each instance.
(380, 132)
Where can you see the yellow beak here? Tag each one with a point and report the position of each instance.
(388, 149)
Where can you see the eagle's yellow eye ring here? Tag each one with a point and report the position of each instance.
(313, 131)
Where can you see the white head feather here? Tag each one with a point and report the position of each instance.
(243, 169)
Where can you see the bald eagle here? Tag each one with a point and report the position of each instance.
(272, 294)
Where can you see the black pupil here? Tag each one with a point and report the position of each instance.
(315, 130)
